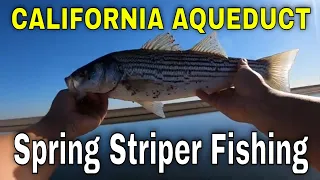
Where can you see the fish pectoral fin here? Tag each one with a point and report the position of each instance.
(155, 107)
(211, 45)
(162, 42)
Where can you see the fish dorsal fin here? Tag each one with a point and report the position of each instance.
(211, 45)
(162, 42)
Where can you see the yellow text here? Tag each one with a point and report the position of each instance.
(237, 18)
(93, 18)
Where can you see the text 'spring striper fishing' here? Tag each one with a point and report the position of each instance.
(161, 71)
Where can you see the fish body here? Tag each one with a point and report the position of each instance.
(161, 71)
(167, 75)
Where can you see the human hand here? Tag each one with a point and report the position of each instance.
(243, 102)
(75, 118)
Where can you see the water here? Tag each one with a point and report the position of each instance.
(189, 128)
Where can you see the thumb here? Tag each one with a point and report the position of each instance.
(245, 70)
(243, 64)
(247, 81)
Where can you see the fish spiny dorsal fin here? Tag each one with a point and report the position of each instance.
(162, 42)
(211, 45)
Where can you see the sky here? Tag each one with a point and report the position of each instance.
(34, 63)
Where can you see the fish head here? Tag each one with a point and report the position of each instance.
(93, 78)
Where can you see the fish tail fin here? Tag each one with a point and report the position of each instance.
(279, 65)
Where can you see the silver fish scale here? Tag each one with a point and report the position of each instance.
(173, 66)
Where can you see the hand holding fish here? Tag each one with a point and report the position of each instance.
(239, 103)
(66, 114)
(73, 117)
(290, 116)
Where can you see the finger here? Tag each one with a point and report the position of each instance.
(63, 91)
(95, 115)
(209, 98)
(82, 106)
(244, 68)
(103, 95)
(98, 98)
(203, 95)
(103, 108)
(77, 128)
(93, 97)
(103, 98)
(65, 97)
(221, 100)
(94, 100)
(66, 93)
(94, 108)
(90, 111)
(101, 103)
(245, 73)
(243, 63)
(226, 93)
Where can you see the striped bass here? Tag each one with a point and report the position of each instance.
(161, 71)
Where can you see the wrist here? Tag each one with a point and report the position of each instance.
(273, 112)
(261, 109)
(46, 128)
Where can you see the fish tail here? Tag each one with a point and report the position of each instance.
(278, 68)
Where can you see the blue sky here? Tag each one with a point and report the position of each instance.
(34, 63)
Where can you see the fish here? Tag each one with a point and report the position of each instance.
(161, 71)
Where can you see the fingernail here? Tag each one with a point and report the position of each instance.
(244, 61)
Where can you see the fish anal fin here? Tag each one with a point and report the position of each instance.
(162, 42)
(211, 45)
(155, 107)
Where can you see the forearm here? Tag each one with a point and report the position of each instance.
(64, 115)
(292, 117)
(11, 170)
(45, 170)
